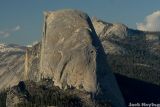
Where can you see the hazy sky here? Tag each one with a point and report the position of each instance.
(21, 20)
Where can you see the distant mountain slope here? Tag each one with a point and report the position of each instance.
(132, 53)
(4, 48)
(11, 64)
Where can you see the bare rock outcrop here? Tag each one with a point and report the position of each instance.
(108, 33)
(32, 61)
(73, 56)
(108, 30)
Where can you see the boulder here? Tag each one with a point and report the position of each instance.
(72, 56)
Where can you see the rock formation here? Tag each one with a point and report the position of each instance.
(32, 61)
(72, 55)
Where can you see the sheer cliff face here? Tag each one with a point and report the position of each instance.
(72, 56)
(67, 54)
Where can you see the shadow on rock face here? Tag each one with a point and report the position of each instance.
(106, 82)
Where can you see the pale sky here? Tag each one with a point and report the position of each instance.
(21, 21)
